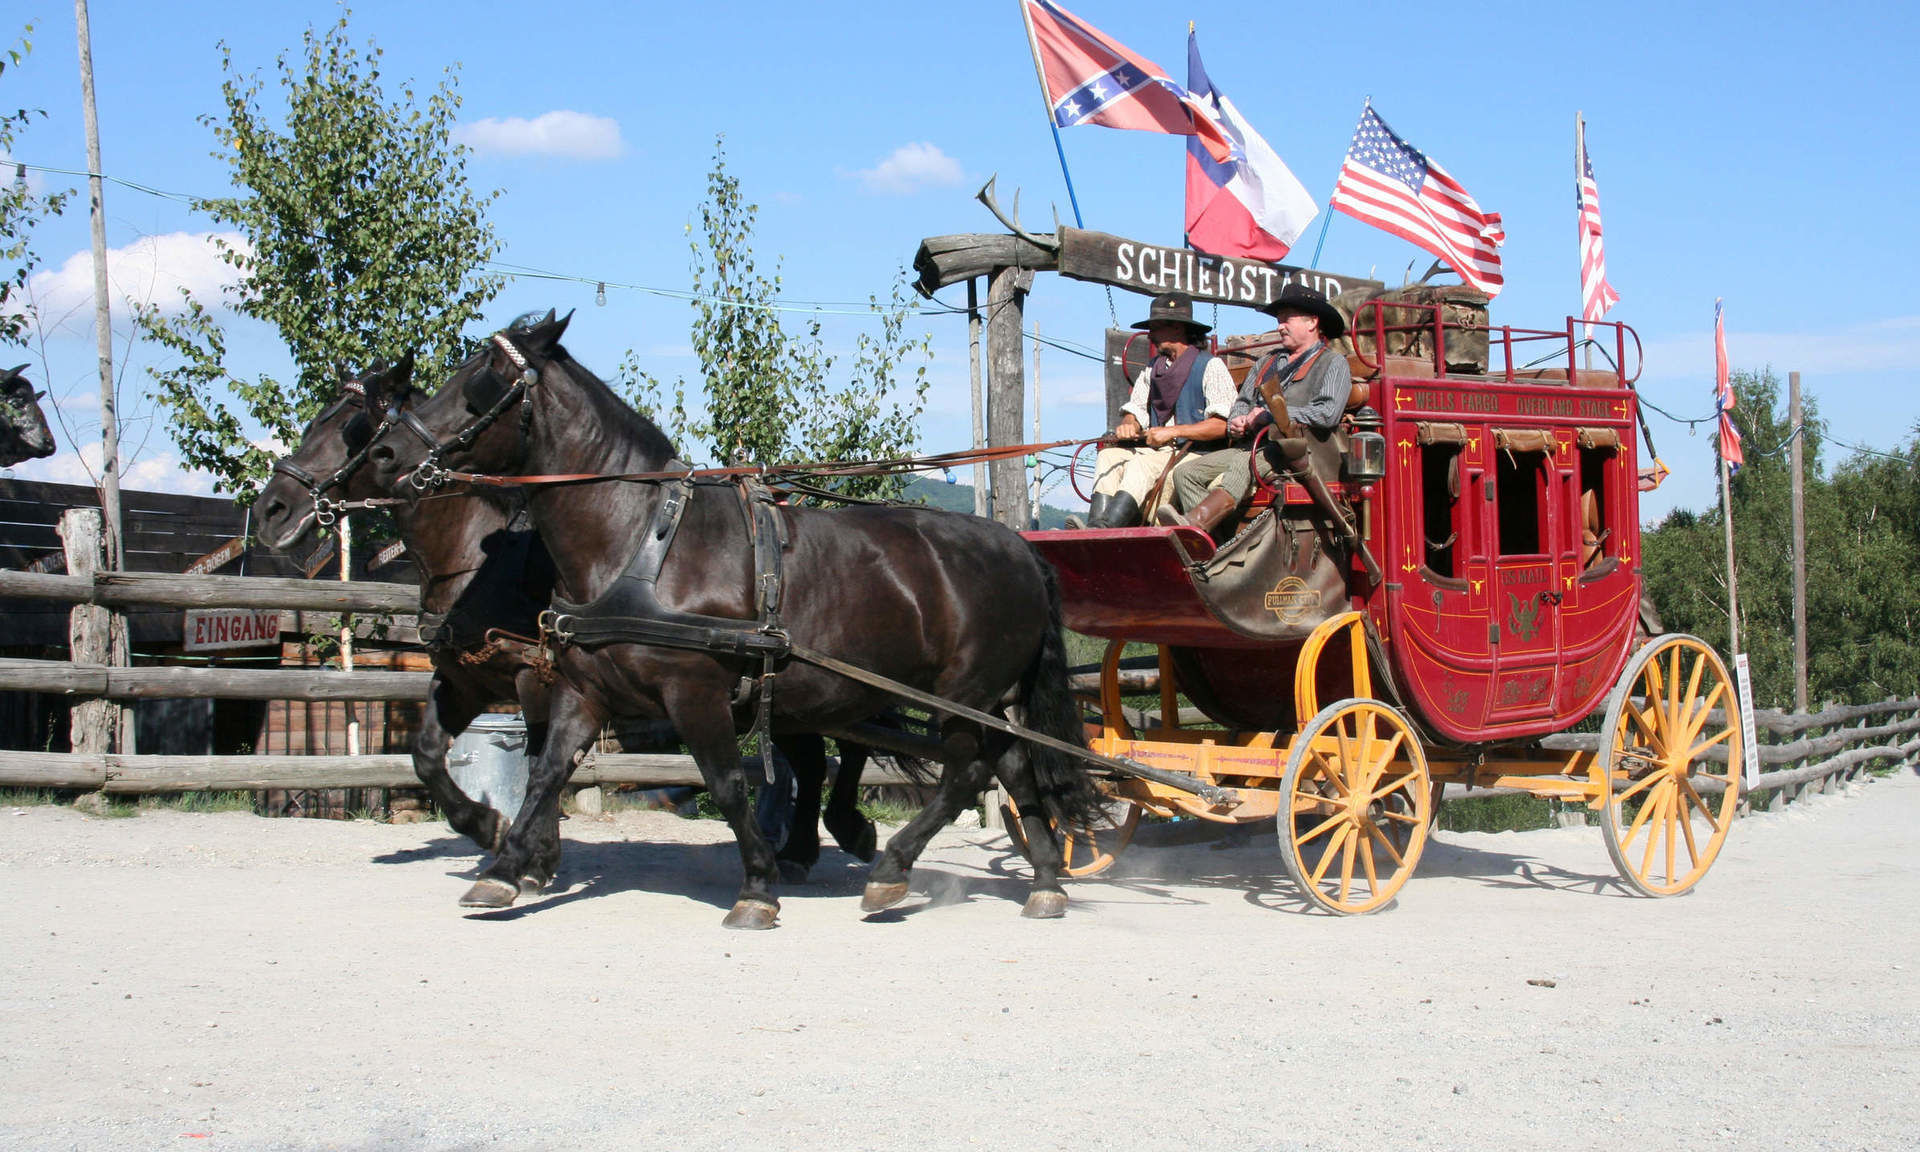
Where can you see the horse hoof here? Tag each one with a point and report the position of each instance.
(753, 915)
(533, 885)
(490, 893)
(793, 872)
(880, 897)
(1045, 906)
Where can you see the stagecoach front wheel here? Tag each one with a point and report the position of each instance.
(1669, 800)
(1360, 801)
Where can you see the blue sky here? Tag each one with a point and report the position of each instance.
(1755, 152)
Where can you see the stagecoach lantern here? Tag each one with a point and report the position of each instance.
(1366, 447)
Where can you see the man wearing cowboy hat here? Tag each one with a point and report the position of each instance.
(1314, 384)
(1183, 395)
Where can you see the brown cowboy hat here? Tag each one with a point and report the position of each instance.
(1174, 308)
(1301, 298)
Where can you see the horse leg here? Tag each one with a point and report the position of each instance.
(850, 827)
(705, 724)
(450, 708)
(532, 843)
(533, 694)
(806, 753)
(963, 776)
(1046, 900)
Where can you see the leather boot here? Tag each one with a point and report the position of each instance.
(1123, 511)
(1208, 514)
(1097, 509)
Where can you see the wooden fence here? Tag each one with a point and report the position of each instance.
(1798, 752)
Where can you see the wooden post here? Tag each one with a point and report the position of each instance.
(89, 631)
(346, 635)
(1799, 546)
(979, 408)
(1007, 389)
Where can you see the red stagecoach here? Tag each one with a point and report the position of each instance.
(1450, 580)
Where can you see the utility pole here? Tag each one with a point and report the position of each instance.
(979, 418)
(103, 340)
(1035, 521)
(1799, 544)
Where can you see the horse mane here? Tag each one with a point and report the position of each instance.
(644, 431)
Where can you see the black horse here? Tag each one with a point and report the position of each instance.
(955, 606)
(483, 582)
(485, 576)
(24, 433)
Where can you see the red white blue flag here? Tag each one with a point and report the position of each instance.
(1393, 186)
(1248, 205)
(1723, 397)
(1091, 78)
(1596, 295)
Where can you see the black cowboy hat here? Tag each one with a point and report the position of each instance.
(1304, 299)
(1174, 308)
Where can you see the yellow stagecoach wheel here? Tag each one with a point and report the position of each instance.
(1669, 806)
(1361, 802)
(1086, 855)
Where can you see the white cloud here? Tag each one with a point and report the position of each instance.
(161, 473)
(151, 270)
(911, 168)
(574, 135)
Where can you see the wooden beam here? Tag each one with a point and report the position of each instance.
(166, 590)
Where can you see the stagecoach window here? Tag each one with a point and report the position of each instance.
(1440, 505)
(1599, 464)
(1520, 488)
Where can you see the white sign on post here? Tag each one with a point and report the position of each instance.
(1749, 741)
(209, 629)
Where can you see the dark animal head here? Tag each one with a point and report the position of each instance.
(24, 432)
(474, 422)
(328, 462)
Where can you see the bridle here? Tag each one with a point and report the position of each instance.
(431, 473)
(326, 511)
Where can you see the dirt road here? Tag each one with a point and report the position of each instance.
(182, 981)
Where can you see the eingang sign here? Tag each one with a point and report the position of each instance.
(210, 629)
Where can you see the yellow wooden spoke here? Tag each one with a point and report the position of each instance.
(1318, 829)
(1330, 772)
(1686, 828)
(1699, 718)
(1326, 856)
(1649, 727)
(1676, 814)
(1700, 749)
(1699, 801)
(1346, 866)
(1646, 811)
(1656, 808)
(1647, 781)
(1366, 858)
(1386, 841)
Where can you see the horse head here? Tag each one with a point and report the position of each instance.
(327, 465)
(24, 433)
(477, 421)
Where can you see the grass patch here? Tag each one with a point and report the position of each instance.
(200, 802)
(31, 797)
(1516, 813)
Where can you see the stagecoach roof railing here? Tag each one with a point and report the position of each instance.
(1370, 320)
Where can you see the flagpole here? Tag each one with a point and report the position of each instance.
(1720, 404)
(1321, 243)
(1579, 178)
(1039, 74)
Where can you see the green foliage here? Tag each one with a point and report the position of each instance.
(1863, 534)
(21, 211)
(362, 241)
(766, 393)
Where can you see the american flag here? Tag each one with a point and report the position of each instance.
(1392, 185)
(1723, 398)
(1090, 78)
(1596, 295)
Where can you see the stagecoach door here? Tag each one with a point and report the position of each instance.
(1530, 545)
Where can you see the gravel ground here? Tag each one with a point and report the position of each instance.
(185, 981)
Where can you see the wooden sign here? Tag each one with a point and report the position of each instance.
(52, 562)
(1153, 269)
(322, 556)
(210, 629)
(218, 558)
(387, 553)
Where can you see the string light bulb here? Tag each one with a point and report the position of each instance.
(600, 294)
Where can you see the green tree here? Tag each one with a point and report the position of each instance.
(21, 210)
(1863, 534)
(361, 240)
(767, 393)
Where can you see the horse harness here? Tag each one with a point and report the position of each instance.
(629, 611)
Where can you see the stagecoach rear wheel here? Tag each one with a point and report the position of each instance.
(1361, 800)
(1668, 807)
(1085, 855)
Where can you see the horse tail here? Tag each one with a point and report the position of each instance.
(1066, 785)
